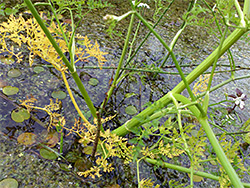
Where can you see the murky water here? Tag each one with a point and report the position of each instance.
(191, 49)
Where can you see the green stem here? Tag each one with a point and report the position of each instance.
(84, 93)
(224, 83)
(214, 142)
(48, 34)
(216, 59)
(109, 93)
(174, 59)
(146, 37)
(165, 100)
(186, 170)
(72, 69)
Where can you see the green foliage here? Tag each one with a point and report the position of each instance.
(231, 150)
(77, 6)
(228, 11)
(164, 136)
(7, 11)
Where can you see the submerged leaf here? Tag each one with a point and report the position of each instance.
(93, 82)
(52, 139)
(72, 157)
(130, 110)
(58, 95)
(13, 73)
(64, 167)
(88, 150)
(27, 138)
(82, 164)
(38, 69)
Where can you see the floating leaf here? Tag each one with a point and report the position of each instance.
(52, 139)
(130, 110)
(9, 183)
(27, 138)
(38, 69)
(9, 90)
(46, 154)
(13, 73)
(93, 82)
(24, 113)
(7, 60)
(58, 95)
(20, 115)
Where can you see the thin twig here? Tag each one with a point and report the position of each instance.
(97, 135)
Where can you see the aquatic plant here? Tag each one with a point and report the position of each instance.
(175, 137)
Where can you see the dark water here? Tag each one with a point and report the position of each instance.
(189, 50)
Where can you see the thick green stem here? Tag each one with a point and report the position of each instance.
(84, 94)
(214, 142)
(123, 130)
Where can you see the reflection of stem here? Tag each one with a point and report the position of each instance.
(97, 134)
(73, 99)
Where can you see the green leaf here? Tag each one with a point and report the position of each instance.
(93, 82)
(128, 95)
(133, 140)
(10, 11)
(2, 12)
(58, 95)
(13, 73)
(2, 5)
(247, 138)
(38, 69)
(20, 115)
(9, 90)
(46, 154)
(9, 183)
(130, 110)
(7, 60)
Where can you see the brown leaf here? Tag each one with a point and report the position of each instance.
(27, 138)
